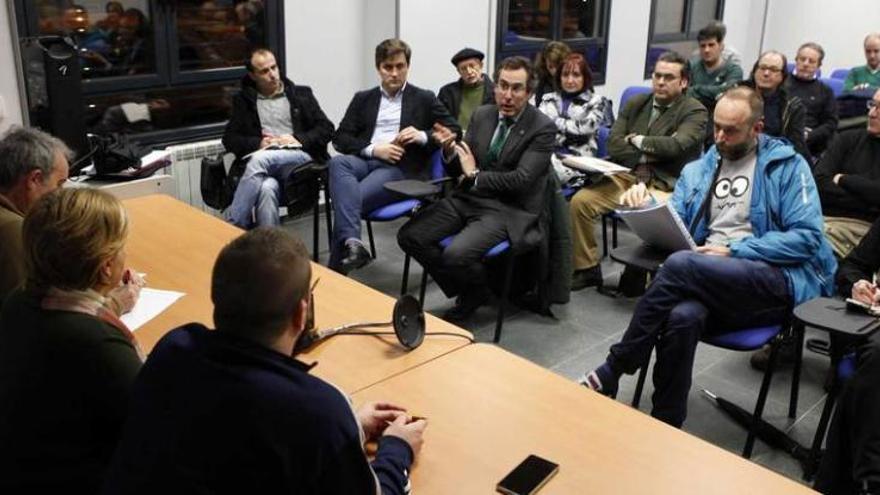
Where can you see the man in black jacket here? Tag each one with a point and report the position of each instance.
(851, 462)
(230, 411)
(383, 137)
(471, 90)
(275, 127)
(502, 167)
(817, 97)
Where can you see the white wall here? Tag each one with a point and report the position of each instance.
(839, 27)
(436, 31)
(744, 20)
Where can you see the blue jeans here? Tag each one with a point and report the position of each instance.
(356, 187)
(260, 187)
(692, 295)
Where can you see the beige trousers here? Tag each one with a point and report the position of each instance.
(590, 203)
(844, 234)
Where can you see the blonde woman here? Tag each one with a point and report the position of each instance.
(67, 362)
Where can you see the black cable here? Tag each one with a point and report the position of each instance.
(449, 334)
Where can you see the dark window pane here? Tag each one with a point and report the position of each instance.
(218, 34)
(582, 19)
(113, 38)
(527, 21)
(146, 111)
(702, 14)
(668, 17)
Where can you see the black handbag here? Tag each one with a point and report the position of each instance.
(214, 183)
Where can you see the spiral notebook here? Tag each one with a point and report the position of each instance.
(659, 226)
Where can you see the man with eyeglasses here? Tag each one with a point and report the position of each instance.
(501, 169)
(848, 176)
(473, 88)
(655, 135)
(784, 115)
(752, 208)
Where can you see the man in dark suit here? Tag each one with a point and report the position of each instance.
(502, 172)
(383, 137)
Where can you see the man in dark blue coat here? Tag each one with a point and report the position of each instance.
(230, 411)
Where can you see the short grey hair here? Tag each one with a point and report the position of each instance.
(24, 149)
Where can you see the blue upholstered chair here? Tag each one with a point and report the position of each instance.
(497, 250)
(628, 93)
(751, 339)
(840, 74)
(836, 85)
(401, 208)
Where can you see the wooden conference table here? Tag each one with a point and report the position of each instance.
(488, 410)
(176, 246)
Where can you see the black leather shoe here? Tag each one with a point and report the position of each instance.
(354, 256)
(588, 277)
(787, 355)
(467, 304)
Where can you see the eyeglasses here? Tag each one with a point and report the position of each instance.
(872, 105)
(665, 77)
(771, 68)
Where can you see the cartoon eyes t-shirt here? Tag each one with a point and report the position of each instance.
(731, 200)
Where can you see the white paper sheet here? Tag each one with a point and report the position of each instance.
(150, 303)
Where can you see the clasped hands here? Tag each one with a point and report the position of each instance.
(383, 418)
(282, 140)
(392, 152)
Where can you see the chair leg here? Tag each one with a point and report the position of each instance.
(640, 384)
(316, 224)
(762, 398)
(614, 232)
(604, 236)
(812, 464)
(796, 372)
(328, 216)
(372, 241)
(422, 287)
(405, 282)
(505, 291)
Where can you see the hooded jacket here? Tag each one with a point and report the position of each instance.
(785, 214)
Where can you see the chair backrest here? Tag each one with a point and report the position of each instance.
(840, 74)
(836, 85)
(629, 93)
(602, 141)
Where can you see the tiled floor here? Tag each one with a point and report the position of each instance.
(579, 337)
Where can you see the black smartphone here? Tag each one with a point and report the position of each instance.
(528, 477)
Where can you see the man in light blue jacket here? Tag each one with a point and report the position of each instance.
(761, 252)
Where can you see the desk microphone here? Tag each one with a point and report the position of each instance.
(408, 321)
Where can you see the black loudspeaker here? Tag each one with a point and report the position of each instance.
(54, 82)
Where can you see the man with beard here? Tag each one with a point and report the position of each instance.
(752, 207)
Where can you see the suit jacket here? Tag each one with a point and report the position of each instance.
(518, 180)
(673, 140)
(421, 109)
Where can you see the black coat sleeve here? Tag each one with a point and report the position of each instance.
(318, 128)
(347, 138)
(238, 137)
(829, 165)
(861, 263)
(794, 129)
(828, 118)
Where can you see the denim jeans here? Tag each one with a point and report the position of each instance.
(260, 187)
(694, 295)
(357, 187)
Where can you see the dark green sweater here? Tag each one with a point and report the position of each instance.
(64, 385)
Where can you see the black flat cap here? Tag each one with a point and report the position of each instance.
(465, 54)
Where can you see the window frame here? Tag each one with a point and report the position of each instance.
(579, 45)
(168, 75)
(687, 33)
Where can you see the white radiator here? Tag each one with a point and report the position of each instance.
(186, 160)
